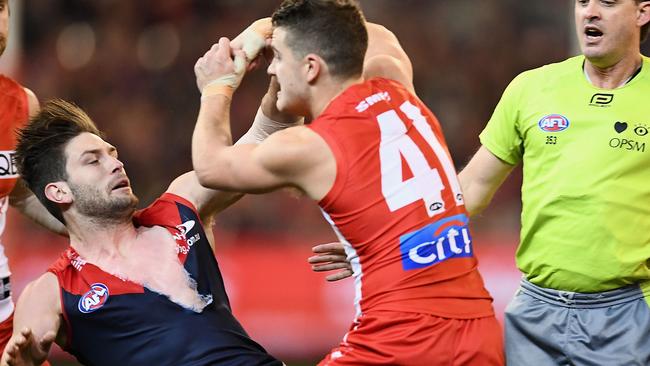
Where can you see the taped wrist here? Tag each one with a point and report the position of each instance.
(263, 127)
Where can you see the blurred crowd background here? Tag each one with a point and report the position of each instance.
(129, 64)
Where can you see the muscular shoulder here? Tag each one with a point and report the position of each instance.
(43, 291)
(291, 150)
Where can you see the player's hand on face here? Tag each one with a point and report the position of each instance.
(331, 257)
(254, 39)
(25, 349)
(221, 66)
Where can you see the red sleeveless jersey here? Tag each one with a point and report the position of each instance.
(14, 113)
(397, 206)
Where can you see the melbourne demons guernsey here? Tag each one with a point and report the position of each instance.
(397, 206)
(109, 321)
(14, 113)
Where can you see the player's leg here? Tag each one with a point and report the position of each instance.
(394, 338)
(479, 342)
(413, 339)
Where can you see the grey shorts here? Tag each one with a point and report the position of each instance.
(550, 327)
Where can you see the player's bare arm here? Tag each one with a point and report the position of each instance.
(37, 323)
(275, 163)
(26, 202)
(481, 178)
(386, 58)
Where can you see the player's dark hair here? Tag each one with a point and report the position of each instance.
(333, 29)
(40, 156)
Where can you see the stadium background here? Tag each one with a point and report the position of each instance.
(130, 65)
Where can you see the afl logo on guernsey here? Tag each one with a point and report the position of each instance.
(93, 299)
(553, 123)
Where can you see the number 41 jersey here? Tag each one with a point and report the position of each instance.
(397, 206)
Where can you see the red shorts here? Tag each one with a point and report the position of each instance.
(413, 339)
(6, 330)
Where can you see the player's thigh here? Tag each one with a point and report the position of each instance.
(392, 338)
(480, 342)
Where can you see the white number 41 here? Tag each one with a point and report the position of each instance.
(426, 184)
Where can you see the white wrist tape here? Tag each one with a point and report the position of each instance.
(263, 127)
(226, 85)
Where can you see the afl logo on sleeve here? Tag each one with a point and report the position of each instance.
(553, 123)
(93, 299)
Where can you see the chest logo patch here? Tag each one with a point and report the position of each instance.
(93, 299)
(553, 123)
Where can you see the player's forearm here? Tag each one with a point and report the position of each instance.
(481, 178)
(477, 196)
(22, 199)
(211, 137)
(32, 208)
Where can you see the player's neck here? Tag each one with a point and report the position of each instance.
(94, 240)
(327, 92)
(612, 76)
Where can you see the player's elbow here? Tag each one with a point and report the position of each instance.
(205, 176)
(388, 67)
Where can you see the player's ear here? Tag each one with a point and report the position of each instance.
(315, 66)
(58, 192)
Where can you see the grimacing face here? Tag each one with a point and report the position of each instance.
(607, 30)
(97, 180)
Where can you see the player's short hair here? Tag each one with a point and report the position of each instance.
(333, 29)
(40, 156)
(646, 27)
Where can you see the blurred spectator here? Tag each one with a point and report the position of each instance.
(129, 64)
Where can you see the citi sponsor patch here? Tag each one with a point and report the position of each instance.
(436, 242)
(94, 299)
(8, 168)
(553, 123)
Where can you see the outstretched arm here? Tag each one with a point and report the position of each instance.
(386, 58)
(37, 322)
(481, 178)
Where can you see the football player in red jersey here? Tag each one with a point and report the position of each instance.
(375, 160)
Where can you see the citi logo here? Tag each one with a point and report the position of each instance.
(553, 123)
(430, 245)
(93, 299)
(8, 168)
